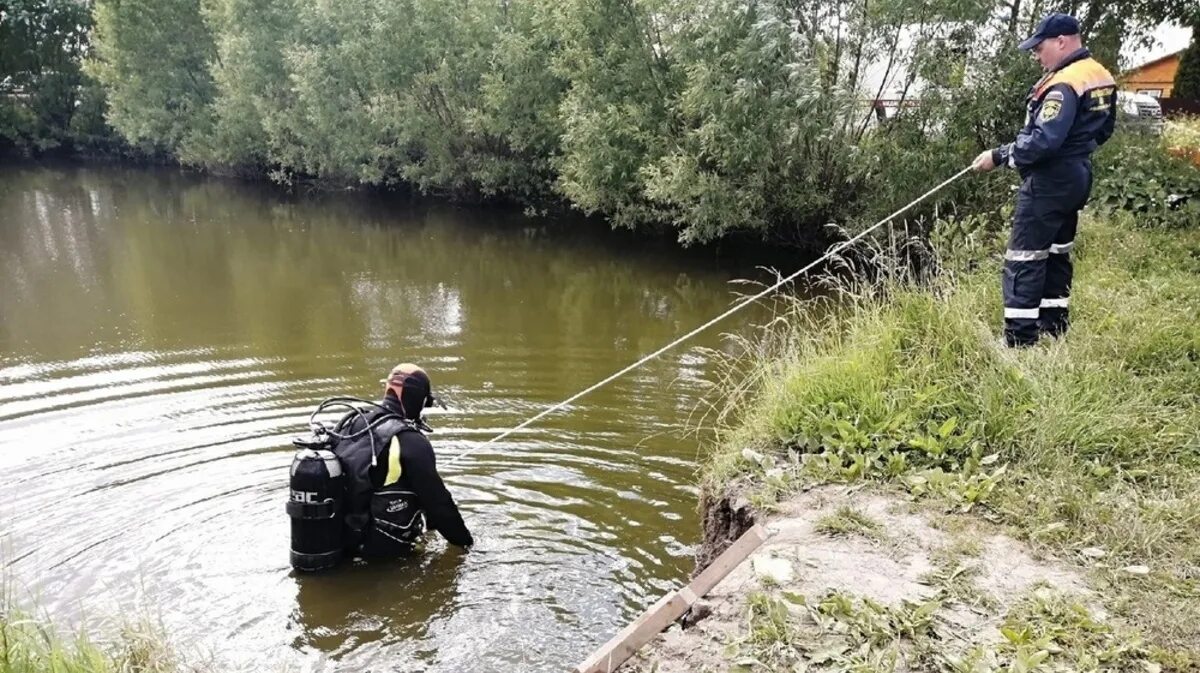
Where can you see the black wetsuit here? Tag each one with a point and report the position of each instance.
(420, 475)
(388, 500)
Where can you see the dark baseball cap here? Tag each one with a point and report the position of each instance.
(1053, 25)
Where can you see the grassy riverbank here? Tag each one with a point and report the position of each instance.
(1088, 448)
(29, 643)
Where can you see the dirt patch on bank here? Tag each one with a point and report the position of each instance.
(869, 550)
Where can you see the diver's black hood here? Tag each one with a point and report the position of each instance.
(411, 406)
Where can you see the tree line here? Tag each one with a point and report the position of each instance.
(705, 117)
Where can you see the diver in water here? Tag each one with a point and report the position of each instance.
(394, 489)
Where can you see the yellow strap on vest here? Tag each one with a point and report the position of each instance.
(1082, 76)
(393, 474)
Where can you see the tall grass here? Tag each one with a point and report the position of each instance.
(1088, 442)
(30, 644)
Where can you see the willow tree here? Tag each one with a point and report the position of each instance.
(153, 60)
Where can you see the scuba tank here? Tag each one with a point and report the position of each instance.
(326, 491)
(315, 505)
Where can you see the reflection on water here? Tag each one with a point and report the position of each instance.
(163, 336)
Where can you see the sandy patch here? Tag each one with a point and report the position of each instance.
(891, 563)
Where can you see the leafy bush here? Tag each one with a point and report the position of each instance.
(1157, 187)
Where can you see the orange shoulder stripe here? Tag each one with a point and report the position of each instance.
(1082, 76)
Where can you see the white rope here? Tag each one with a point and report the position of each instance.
(736, 307)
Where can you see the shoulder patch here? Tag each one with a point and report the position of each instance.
(1050, 110)
(1055, 95)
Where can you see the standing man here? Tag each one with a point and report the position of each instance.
(1070, 112)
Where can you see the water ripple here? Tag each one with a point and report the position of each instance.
(149, 443)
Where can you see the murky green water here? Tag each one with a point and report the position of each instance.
(163, 336)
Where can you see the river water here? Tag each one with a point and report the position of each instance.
(163, 336)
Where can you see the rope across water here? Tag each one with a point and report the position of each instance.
(734, 309)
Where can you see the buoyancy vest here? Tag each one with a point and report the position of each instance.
(382, 518)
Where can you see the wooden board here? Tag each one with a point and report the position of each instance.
(727, 561)
(670, 607)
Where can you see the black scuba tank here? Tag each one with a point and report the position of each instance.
(316, 506)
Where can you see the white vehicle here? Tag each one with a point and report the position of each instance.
(1140, 110)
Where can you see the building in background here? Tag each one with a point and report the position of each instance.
(1153, 78)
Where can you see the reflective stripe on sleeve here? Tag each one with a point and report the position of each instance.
(1026, 255)
(1021, 313)
(1061, 248)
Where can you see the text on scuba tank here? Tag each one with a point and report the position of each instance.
(309, 497)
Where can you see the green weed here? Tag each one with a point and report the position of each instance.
(954, 580)
(837, 632)
(846, 522)
(1088, 442)
(1044, 631)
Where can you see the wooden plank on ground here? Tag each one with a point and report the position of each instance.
(670, 607)
(727, 561)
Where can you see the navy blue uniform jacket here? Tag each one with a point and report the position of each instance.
(1070, 112)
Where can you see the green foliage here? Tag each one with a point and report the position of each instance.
(521, 94)
(153, 63)
(761, 127)
(767, 128)
(1155, 187)
(706, 116)
(29, 644)
(1062, 633)
(1184, 13)
(1043, 631)
(46, 101)
(1187, 78)
(615, 113)
(450, 98)
(251, 80)
(955, 582)
(1182, 136)
(838, 632)
(882, 413)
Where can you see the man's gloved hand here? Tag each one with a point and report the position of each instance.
(984, 162)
